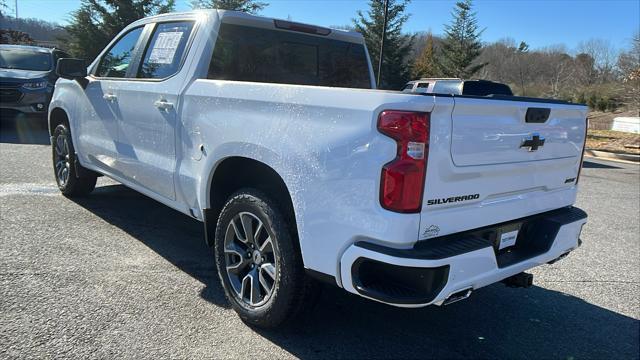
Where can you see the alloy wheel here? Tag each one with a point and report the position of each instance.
(62, 159)
(250, 259)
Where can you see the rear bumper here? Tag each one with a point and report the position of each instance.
(434, 269)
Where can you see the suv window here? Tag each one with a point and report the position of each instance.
(447, 87)
(408, 87)
(163, 55)
(422, 88)
(245, 53)
(117, 60)
(484, 88)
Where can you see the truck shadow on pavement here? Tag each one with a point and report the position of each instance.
(23, 130)
(496, 322)
(594, 165)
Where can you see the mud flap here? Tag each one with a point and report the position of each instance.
(210, 218)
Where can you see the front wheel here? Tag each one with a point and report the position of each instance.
(259, 262)
(65, 168)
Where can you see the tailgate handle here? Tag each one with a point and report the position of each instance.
(537, 115)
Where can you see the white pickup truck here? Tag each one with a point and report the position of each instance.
(272, 133)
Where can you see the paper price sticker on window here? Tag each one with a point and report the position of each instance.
(164, 49)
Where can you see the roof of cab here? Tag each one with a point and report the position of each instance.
(241, 18)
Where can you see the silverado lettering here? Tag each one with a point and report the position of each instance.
(452, 199)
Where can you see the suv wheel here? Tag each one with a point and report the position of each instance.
(69, 181)
(259, 262)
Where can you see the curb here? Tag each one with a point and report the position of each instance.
(612, 155)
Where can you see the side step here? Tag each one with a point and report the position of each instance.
(522, 280)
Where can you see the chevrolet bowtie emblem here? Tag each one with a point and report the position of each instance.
(532, 142)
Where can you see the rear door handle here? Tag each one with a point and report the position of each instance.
(163, 105)
(109, 97)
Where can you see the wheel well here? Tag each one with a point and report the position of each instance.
(236, 173)
(57, 117)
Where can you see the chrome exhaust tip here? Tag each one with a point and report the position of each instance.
(457, 296)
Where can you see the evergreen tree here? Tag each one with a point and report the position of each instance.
(98, 21)
(396, 65)
(3, 7)
(248, 6)
(461, 44)
(426, 65)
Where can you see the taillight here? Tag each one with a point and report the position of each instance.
(402, 180)
(584, 147)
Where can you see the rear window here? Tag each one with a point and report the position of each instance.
(484, 88)
(245, 53)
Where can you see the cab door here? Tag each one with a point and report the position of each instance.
(149, 104)
(99, 110)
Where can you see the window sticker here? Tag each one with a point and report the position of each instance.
(164, 49)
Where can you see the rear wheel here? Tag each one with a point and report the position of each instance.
(70, 181)
(259, 262)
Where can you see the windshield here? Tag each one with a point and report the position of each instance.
(25, 60)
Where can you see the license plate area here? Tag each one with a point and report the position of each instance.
(519, 240)
(506, 236)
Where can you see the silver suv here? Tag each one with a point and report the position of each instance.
(455, 86)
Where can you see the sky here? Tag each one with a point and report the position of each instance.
(540, 23)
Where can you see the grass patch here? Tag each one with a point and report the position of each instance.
(616, 141)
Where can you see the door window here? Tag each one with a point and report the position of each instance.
(116, 61)
(163, 56)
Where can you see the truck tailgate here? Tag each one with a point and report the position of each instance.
(489, 163)
(487, 132)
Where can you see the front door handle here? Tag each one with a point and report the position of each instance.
(109, 97)
(163, 105)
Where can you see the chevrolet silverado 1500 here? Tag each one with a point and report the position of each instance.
(273, 135)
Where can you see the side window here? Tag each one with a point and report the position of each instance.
(408, 87)
(163, 55)
(422, 88)
(117, 60)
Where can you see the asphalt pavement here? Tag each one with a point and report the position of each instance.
(117, 274)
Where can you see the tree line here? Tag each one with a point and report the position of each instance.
(595, 74)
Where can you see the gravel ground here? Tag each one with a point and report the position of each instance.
(119, 275)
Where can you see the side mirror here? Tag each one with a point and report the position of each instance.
(72, 69)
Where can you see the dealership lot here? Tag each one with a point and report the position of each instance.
(117, 274)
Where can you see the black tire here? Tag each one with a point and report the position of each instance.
(72, 179)
(292, 290)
